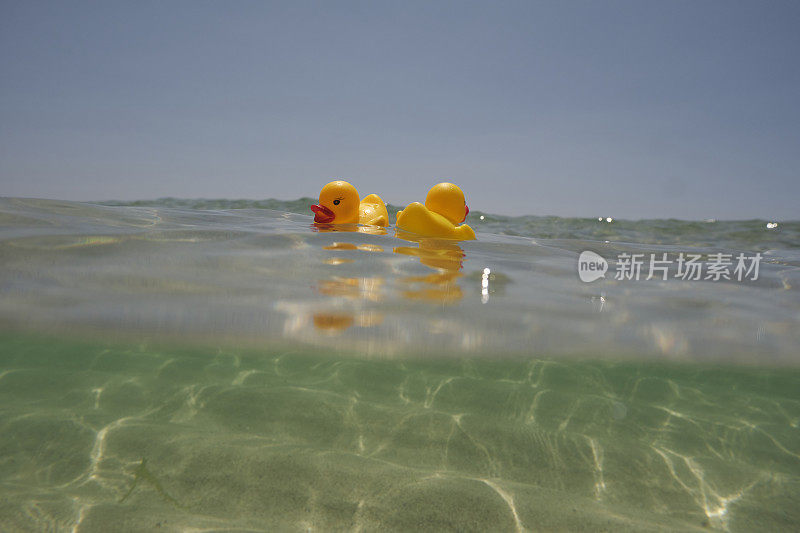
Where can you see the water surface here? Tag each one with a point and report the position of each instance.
(188, 365)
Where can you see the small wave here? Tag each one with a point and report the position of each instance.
(753, 235)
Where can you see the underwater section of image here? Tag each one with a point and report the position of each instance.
(176, 367)
(136, 438)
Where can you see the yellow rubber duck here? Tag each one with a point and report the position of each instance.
(339, 204)
(442, 216)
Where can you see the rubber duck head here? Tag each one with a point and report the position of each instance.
(447, 199)
(338, 204)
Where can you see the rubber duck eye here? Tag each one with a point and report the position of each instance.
(336, 202)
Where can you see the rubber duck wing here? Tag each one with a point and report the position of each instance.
(418, 219)
(372, 210)
(465, 233)
(373, 199)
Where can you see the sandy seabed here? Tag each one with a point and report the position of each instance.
(102, 437)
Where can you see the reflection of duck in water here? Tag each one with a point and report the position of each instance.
(337, 321)
(443, 256)
(442, 216)
(339, 204)
(438, 254)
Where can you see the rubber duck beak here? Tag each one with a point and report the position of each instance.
(466, 212)
(322, 214)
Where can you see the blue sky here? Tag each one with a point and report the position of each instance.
(639, 109)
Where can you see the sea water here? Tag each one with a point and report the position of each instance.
(229, 366)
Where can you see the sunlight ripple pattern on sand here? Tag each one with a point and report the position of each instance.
(198, 439)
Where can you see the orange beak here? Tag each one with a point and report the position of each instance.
(322, 214)
(466, 212)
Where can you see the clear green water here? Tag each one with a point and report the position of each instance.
(129, 437)
(200, 367)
